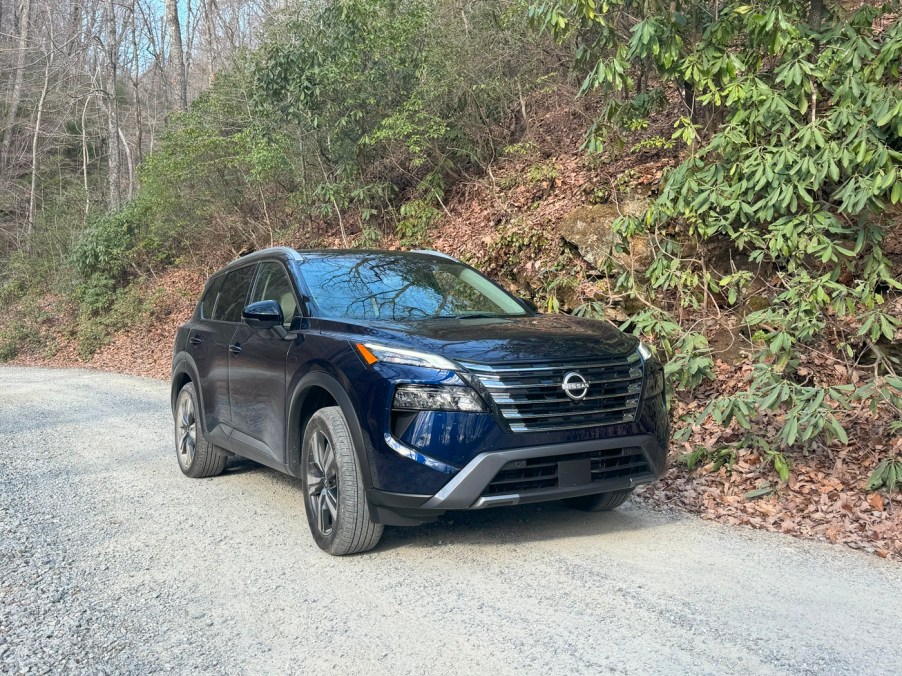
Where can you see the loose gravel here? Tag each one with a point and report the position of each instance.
(112, 562)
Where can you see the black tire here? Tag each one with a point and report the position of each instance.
(600, 502)
(334, 492)
(197, 457)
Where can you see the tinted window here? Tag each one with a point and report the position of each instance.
(273, 284)
(233, 294)
(208, 302)
(398, 288)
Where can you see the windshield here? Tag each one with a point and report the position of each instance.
(400, 288)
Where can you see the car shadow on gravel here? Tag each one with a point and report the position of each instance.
(518, 525)
(238, 465)
(496, 526)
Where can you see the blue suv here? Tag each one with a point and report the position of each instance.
(400, 385)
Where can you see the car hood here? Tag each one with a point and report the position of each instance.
(503, 339)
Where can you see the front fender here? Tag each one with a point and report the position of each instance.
(319, 377)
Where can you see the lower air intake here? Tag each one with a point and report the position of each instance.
(571, 470)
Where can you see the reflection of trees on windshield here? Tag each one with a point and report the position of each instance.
(398, 288)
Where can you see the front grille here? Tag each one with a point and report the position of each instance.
(535, 474)
(531, 397)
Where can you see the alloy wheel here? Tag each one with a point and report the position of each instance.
(322, 482)
(186, 431)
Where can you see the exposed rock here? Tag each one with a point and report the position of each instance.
(589, 229)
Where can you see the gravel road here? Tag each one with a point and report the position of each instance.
(112, 562)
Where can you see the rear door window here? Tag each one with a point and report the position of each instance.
(233, 294)
(208, 302)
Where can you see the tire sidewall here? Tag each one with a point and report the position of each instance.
(318, 424)
(186, 392)
(208, 461)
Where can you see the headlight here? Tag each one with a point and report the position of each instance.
(373, 353)
(437, 398)
(644, 352)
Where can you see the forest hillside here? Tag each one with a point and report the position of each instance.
(721, 178)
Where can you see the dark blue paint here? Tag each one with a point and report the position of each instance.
(252, 398)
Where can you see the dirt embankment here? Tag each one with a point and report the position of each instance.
(141, 349)
(509, 223)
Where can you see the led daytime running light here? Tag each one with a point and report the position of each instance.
(373, 353)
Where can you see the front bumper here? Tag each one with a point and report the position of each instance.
(573, 475)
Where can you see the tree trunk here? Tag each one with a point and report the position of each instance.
(112, 105)
(16, 95)
(128, 164)
(816, 14)
(74, 29)
(136, 80)
(210, 11)
(177, 52)
(85, 158)
(29, 223)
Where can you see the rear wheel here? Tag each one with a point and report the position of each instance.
(600, 502)
(334, 492)
(197, 457)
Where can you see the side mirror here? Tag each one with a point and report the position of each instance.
(264, 314)
(528, 303)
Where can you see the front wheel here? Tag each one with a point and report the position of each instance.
(334, 492)
(600, 502)
(197, 457)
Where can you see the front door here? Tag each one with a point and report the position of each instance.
(257, 385)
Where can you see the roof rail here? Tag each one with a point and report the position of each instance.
(433, 252)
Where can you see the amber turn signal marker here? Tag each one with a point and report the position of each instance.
(368, 356)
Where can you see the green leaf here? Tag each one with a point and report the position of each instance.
(791, 431)
(781, 466)
(762, 492)
(878, 476)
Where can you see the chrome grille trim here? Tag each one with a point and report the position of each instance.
(530, 398)
(488, 368)
(634, 373)
(512, 414)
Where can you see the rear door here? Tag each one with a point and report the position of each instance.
(231, 297)
(200, 345)
(257, 385)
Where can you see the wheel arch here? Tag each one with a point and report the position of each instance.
(184, 372)
(314, 391)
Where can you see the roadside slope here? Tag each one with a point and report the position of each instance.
(111, 559)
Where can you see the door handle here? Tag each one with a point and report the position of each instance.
(195, 340)
(235, 349)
